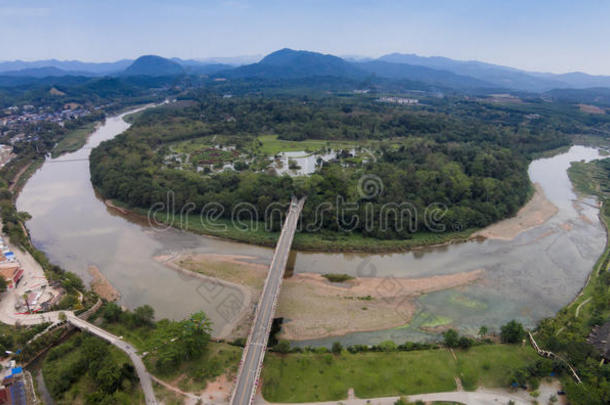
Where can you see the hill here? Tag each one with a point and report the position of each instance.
(291, 64)
(41, 72)
(71, 66)
(152, 65)
(442, 78)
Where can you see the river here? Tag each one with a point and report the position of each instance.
(528, 278)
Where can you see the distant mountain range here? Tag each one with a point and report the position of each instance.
(293, 64)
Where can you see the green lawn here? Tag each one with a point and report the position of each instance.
(271, 145)
(325, 377)
(491, 366)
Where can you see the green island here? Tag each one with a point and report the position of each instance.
(203, 164)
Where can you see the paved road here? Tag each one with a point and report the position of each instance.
(145, 379)
(254, 352)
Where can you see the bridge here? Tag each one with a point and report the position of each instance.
(254, 351)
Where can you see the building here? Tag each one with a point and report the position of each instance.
(11, 272)
(14, 390)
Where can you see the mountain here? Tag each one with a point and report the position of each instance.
(91, 68)
(196, 67)
(152, 65)
(47, 71)
(435, 77)
(291, 64)
(503, 76)
(500, 76)
(579, 79)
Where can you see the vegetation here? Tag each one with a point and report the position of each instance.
(85, 369)
(468, 157)
(337, 278)
(176, 350)
(566, 334)
(74, 139)
(326, 377)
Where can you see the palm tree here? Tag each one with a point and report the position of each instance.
(25, 297)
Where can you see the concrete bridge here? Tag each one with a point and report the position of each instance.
(254, 351)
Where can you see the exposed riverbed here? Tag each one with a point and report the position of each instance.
(527, 278)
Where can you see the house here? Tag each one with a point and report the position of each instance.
(11, 272)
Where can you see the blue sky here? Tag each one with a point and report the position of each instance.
(554, 36)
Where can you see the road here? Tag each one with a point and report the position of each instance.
(254, 352)
(143, 375)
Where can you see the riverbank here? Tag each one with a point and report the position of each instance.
(313, 307)
(534, 213)
(101, 286)
(347, 242)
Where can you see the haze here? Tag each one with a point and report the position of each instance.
(553, 36)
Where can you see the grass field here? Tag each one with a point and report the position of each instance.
(74, 140)
(271, 145)
(326, 377)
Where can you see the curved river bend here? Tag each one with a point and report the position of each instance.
(528, 278)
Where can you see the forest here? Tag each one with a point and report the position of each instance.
(469, 156)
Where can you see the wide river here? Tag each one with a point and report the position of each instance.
(528, 278)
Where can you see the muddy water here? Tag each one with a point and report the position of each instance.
(526, 279)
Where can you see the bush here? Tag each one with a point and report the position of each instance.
(337, 348)
(451, 338)
(512, 332)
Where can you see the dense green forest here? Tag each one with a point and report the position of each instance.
(468, 156)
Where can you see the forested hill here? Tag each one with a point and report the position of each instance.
(468, 156)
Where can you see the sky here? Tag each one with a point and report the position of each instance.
(540, 35)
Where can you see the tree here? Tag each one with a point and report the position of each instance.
(451, 338)
(108, 377)
(144, 315)
(401, 401)
(464, 342)
(112, 312)
(25, 297)
(512, 332)
(483, 331)
(387, 346)
(337, 348)
(283, 346)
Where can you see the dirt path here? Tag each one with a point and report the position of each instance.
(534, 213)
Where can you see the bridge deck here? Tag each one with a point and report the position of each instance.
(254, 352)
